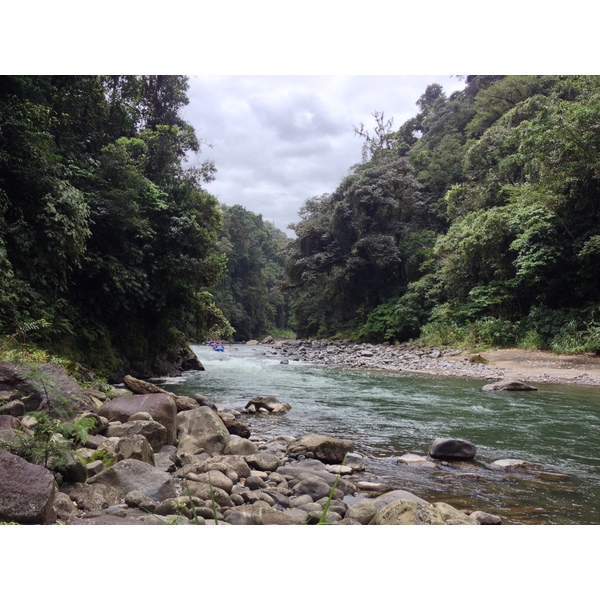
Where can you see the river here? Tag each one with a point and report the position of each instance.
(389, 414)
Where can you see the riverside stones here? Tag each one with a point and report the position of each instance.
(322, 447)
(161, 408)
(268, 404)
(405, 512)
(201, 430)
(508, 385)
(131, 474)
(451, 449)
(27, 491)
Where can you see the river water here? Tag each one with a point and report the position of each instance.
(390, 414)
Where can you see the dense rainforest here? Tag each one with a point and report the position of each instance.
(475, 222)
(107, 242)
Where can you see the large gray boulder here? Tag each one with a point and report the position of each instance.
(27, 491)
(134, 446)
(200, 430)
(131, 474)
(322, 447)
(161, 407)
(452, 449)
(153, 431)
(405, 512)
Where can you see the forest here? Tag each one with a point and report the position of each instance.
(475, 223)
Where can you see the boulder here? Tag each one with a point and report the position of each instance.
(91, 498)
(268, 403)
(154, 432)
(313, 486)
(14, 408)
(27, 491)
(200, 430)
(485, 518)
(234, 426)
(508, 385)
(139, 386)
(405, 512)
(46, 387)
(263, 461)
(260, 514)
(134, 446)
(161, 408)
(451, 449)
(130, 474)
(240, 446)
(322, 447)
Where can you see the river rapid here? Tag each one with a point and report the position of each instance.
(388, 414)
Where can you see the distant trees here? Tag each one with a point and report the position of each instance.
(250, 293)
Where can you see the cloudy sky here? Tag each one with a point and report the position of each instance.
(278, 140)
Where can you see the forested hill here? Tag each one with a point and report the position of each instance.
(107, 243)
(477, 221)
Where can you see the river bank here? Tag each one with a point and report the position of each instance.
(529, 366)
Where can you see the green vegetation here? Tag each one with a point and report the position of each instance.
(106, 240)
(251, 294)
(476, 223)
(51, 441)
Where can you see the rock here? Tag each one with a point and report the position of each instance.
(139, 386)
(451, 449)
(201, 429)
(92, 497)
(513, 463)
(263, 461)
(234, 426)
(325, 448)
(240, 446)
(484, 518)
(393, 496)
(268, 403)
(65, 507)
(509, 385)
(414, 460)
(477, 359)
(154, 432)
(313, 486)
(46, 387)
(27, 491)
(135, 446)
(14, 408)
(161, 408)
(130, 474)
(258, 514)
(405, 512)
(363, 511)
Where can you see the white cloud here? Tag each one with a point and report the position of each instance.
(279, 140)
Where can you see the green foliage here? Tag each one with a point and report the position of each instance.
(105, 238)
(50, 441)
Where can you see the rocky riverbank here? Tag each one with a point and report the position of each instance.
(525, 365)
(153, 458)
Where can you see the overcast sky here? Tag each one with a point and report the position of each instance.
(278, 140)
